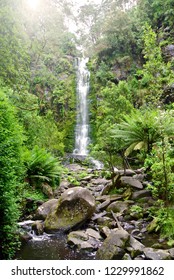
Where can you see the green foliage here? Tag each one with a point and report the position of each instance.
(156, 73)
(14, 63)
(11, 173)
(165, 222)
(114, 101)
(104, 74)
(139, 130)
(161, 160)
(30, 193)
(136, 209)
(42, 167)
(73, 180)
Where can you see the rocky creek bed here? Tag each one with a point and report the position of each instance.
(94, 221)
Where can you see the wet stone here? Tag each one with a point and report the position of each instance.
(93, 233)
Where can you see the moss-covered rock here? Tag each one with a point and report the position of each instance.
(44, 209)
(113, 246)
(74, 207)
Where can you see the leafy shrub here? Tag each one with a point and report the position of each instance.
(165, 222)
(11, 172)
(42, 167)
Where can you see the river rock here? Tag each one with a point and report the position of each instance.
(118, 206)
(129, 181)
(93, 233)
(24, 237)
(171, 252)
(113, 246)
(127, 257)
(85, 246)
(107, 188)
(105, 231)
(126, 172)
(141, 194)
(74, 207)
(64, 185)
(43, 210)
(89, 239)
(38, 227)
(104, 221)
(76, 237)
(136, 247)
(112, 197)
(104, 204)
(74, 167)
(100, 181)
(139, 177)
(155, 254)
(79, 243)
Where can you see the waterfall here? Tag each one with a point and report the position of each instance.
(82, 121)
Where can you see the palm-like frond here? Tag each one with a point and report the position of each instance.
(42, 166)
(138, 131)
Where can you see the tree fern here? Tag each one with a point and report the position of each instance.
(42, 167)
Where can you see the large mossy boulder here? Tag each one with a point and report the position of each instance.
(74, 207)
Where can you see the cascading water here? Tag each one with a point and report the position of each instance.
(82, 121)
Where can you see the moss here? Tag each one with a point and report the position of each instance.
(67, 215)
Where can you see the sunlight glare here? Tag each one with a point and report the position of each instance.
(33, 4)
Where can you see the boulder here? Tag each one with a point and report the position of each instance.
(171, 252)
(24, 237)
(74, 167)
(44, 209)
(155, 254)
(100, 181)
(127, 172)
(84, 240)
(127, 257)
(105, 231)
(113, 246)
(139, 177)
(118, 206)
(93, 233)
(112, 197)
(129, 181)
(107, 188)
(74, 207)
(85, 245)
(80, 244)
(136, 247)
(104, 221)
(141, 194)
(77, 237)
(103, 205)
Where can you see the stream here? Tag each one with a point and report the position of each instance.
(48, 247)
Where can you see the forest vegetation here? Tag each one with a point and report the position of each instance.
(131, 99)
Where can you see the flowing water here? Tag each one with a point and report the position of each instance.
(48, 247)
(82, 138)
(82, 121)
